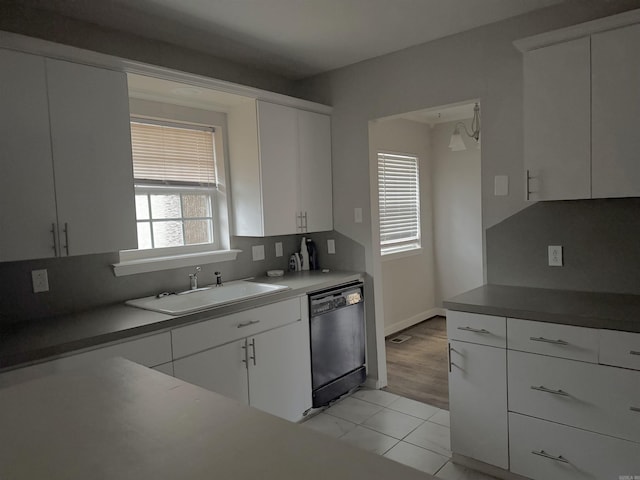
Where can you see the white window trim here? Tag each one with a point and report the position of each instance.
(135, 261)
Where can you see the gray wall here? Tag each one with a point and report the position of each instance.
(85, 282)
(18, 18)
(600, 239)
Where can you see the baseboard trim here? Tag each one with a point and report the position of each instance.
(485, 468)
(410, 322)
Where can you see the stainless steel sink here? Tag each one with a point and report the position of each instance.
(205, 298)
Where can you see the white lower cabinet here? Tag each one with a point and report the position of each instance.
(478, 402)
(270, 371)
(222, 370)
(543, 450)
(150, 351)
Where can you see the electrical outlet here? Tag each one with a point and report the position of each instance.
(555, 255)
(331, 246)
(40, 281)
(500, 185)
(278, 249)
(258, 252)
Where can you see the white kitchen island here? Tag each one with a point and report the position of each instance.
(119, 420)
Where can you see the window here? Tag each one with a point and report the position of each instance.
(174, 172)
(399, 203)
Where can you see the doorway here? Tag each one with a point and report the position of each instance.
(449, 260)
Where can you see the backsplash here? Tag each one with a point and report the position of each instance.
(85, 282)
(600, 240)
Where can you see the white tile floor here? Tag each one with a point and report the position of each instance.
(401, 429)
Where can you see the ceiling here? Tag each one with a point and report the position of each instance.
(295, 38)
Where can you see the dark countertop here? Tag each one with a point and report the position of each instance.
(612, 311)
(33, 341)
(119, 420)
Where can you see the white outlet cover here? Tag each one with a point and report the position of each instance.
(331, 246)
(40, 281)
(555, 255)
(278, 249)
(258, 252)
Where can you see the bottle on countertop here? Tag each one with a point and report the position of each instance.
(304, 253)
(313, 254)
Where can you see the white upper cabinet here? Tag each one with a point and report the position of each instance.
(615, 59)
(27, 193)
(66, 142)
(557, 121)
(91, 139)
(316, 204)
(280, 159)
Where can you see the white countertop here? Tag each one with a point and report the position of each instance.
(119, 420)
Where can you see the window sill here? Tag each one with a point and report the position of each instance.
(401, 254)
(156, 264)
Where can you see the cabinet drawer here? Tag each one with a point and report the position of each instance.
(477, 328)
(621, 349)
(576, 343)
(584, 455)
(211, 333)
(594, 397)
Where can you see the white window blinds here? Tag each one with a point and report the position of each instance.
(399, 202)
(172, 154)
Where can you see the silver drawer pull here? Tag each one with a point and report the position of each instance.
(246, 324)
(634, 409)
(474, 330)
(544, 454)
(548, 390)
(633, 352)
(548, 340)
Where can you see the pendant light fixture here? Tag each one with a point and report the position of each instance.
(457, 144)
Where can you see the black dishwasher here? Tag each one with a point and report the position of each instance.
(337, 330)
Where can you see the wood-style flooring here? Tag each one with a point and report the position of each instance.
(418, 368)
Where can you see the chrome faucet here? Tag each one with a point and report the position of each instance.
(193, 277)
(218, 279)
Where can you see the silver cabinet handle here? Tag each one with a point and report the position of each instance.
(548, 390)
(474, 330)
(253, 348)
(246, 324)
(66, 237)
(55, 241)
(548, 340)
(306, 228)
(634, 409)
(449, 356)
(529, 177)
(544, 454)
(245, 360)
(633, 352)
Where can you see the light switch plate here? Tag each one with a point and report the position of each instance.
(40, 281)
(357, 215)
(555, 255)
(500, 185)
(331, 246)
(258, 252)
(278, 249)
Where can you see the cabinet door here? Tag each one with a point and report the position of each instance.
(280, 371)
(91, 140)
(278, 133)
(222, 370)
(314, 136)
(557, 121)
(615, 67)
(478, 402)
(27, 193)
